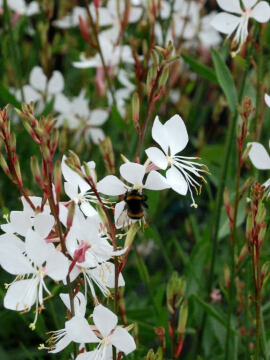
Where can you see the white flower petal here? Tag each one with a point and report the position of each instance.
(97, 135)
(230, 6)
(157, 157)
(32, 9)
(72, 177)
(159, 135)
(155, 181)
(88, 209)
(56, 83)
(30, 94)
(248, 4)
(123, 341)
(111, 185)
(104, 319)
(80, 331)
(261, 12)
(98, 117)
(225, 23)
(17, 5)
(61, 344)
(43, 224)
(133, 173)
(177, 134)
(79, 303)
(38, 79)
(267, 99)
(36, 247)
(57, 264)
(177, 181)
(87, 63)
(11, 255)
(21, 295)
(62, 104)
(259, 156)
(20, 222)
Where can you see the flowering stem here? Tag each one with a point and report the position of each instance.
(94, 29)
(150, 104)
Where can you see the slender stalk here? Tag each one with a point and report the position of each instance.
(219, 201)
(94, 29)
(14, 49)
(258, 303)
(233, 240)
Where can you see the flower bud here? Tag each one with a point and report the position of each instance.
(261, 235)
(4, 165)
(261, 212)
(131, 235)
(227, 275)
(73, 159)
(164, 76)
(249, 225)
(243, 253)
(155, 57)
(107, 152)
(58, 177)
(18, 171)
(70, 216)
(12, 142)
(46, 153)
(135, 109)
(175, 291)
(35, 170)
(151, 76)
(182, 320)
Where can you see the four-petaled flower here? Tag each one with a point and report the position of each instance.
(238, 24)
(173, 138)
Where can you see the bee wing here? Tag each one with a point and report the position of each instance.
(123, 220)
(120, 215)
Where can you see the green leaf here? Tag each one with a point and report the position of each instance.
(200, 69)
(225, 80)
(8, 98)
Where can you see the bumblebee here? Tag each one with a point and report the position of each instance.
(135, 205)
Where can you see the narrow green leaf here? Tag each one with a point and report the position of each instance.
(225, 80)
(211, 311)
(200, 69)
(8, 98)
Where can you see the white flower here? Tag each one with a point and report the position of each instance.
(72, 19)
(208, 36)
(85, 243)
(134, 174)
(76, 114)
(20, 6)
(77, 188)
(112, 54)
(110, 335)
(261, 160)
(186, 18)
(173, 138)
(33, 257)
(228, 23)
(76, 329)
(41, 89)
(21, 221)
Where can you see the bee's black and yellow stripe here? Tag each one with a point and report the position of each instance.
(134, 202)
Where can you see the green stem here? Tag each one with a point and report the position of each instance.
(14, 49)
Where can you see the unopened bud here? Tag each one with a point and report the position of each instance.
(54, 140)
(46, 153)
(164, 76)
(58, 177)
(4, 164)
(18, 171)
(107, 152)
(135, 108)
(243, 253)
(264, 271)
(249, 225)
(74, 159)
(35, 169)
(155, 57)
(182, 320)
(131, 235)
(12, 142)
(151, 76)
(227, 275)
(84, 28)
(261, 212)
(175, 291)
(261, 235)
(71, 212)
